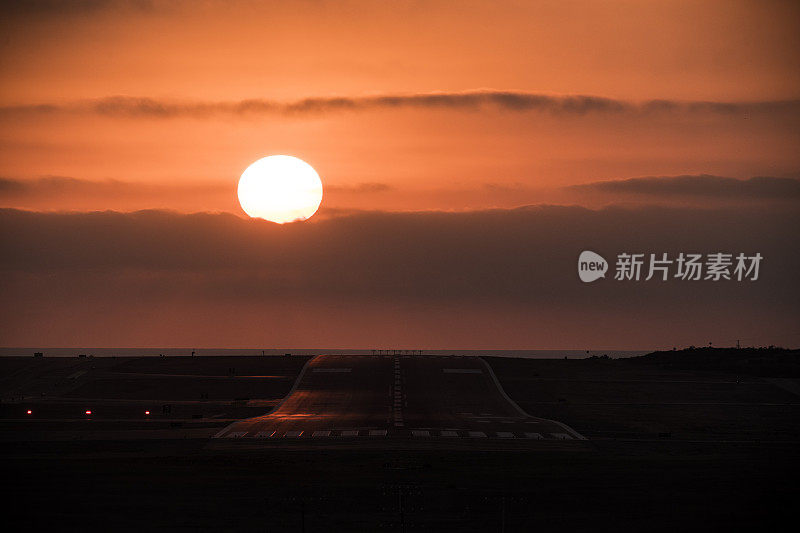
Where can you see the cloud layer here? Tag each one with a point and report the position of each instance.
(511, 101)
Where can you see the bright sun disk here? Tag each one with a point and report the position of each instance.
(280, 188)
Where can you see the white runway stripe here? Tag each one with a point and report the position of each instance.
(447, 433)
(477, 434)
(537, 436)
(322, 433)
(377, 432)
(350, 433)
(562, 436)
(505, 435)
(420, 433)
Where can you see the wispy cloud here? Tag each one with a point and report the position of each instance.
(510, 101)
(361, 188)
(69, 193)
(702, 185)
(50, 186)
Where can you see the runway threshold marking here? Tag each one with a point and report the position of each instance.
(420, 433)
(322, 433)
(505, 435)
(477, 434)
(350, 433)
(377, 432)
(293, 434)
(448, 433)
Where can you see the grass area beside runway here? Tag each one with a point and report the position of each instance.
(169, 388)
(641, 399)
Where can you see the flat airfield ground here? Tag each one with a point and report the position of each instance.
(669, 450)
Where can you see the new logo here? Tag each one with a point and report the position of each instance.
(591, 266)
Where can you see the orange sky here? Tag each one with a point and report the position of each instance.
(657, 125)
(220, 53)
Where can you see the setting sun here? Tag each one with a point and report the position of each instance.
(280, 188)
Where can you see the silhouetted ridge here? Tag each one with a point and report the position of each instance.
(769, 361)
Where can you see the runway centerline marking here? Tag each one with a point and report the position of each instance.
(397, 396)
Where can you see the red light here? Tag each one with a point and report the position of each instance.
(30, 412)
(147, 412)
(88, 412)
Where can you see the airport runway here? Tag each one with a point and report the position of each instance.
(398, 397)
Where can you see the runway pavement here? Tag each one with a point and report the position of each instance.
(435, 398)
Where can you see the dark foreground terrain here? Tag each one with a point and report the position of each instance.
(673, 446)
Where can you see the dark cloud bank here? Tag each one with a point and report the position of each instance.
(499, 278)
(512, 101)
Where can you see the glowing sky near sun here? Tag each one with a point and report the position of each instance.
(110, 73)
